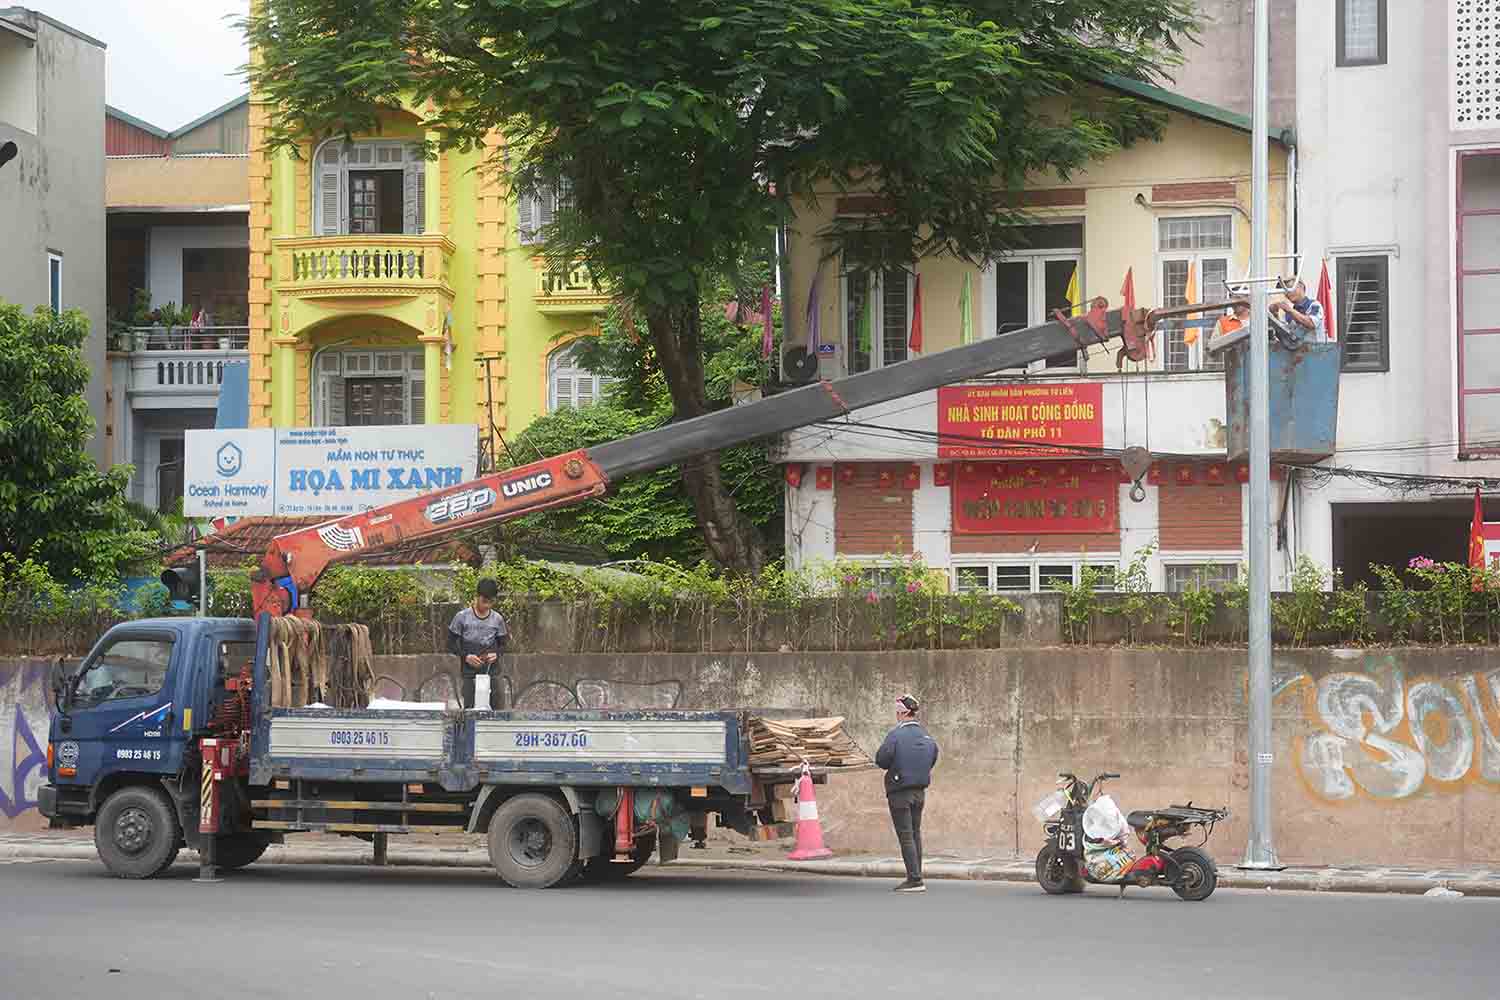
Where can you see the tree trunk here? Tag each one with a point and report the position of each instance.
(732, 540)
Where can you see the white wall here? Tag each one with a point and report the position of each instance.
(164, 264)
(17, 82)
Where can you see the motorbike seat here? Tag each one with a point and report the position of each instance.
(1139, 818)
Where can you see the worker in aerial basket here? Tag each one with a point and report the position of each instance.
(477, 636)
(908, 756)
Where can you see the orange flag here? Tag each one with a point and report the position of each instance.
(915, 343)
(1190, 294)
(1127, 290)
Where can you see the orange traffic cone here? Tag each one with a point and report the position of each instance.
(809, 830)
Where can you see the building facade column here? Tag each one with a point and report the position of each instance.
(433, 195)
(432, 376)
(284, 382)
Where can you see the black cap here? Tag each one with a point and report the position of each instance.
(487, 588)
(909, 703)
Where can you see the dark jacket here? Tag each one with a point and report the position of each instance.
(908, 756)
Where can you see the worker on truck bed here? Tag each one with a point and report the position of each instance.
(477, 636)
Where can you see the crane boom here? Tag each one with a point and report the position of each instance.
(296, 559)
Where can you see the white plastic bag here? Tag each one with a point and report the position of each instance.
(1103, 820)
(1049, 807)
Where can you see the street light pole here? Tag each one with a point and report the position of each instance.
(1260, 853)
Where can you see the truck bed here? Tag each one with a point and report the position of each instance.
(461, 750)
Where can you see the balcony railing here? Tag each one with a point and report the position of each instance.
(180, 338)
(362, 265)
(568, 289)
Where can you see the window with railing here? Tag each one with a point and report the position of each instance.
(877, 317)
(1219, 576)
(1361, 310)
(1034, 576)
(1194, 252)
(369, 186)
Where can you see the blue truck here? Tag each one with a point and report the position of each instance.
(166, 736)
(160, 714)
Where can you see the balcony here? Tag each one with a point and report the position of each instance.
(172, 367)
(568, 290)
(380, 265)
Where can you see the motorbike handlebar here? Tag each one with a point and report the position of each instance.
(1106, 776)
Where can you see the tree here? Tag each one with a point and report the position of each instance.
(650, 515)
(683, 130)
(56, 507)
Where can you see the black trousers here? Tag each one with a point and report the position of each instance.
(493, 673)
(906, 816)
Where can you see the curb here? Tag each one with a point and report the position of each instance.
(1316, 881)
(1020, 872)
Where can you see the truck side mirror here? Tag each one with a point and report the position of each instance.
(59, 676)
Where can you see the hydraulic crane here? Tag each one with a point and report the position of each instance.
(295, 560)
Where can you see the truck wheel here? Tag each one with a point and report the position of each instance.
(137, 833)
(604, 868)
(239, 850)
(533, 842)
(1199, 875)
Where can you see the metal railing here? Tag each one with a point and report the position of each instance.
(185, 338)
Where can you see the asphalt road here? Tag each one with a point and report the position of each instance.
(69, 930)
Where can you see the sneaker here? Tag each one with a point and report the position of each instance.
(912, 885)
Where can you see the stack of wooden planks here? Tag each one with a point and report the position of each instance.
(789, 743)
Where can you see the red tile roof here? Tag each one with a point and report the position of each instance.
(247, 540)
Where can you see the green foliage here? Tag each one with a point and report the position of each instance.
(682, 140)
(367, 594)
(1350, 615)
(153, 601)
(1450, 597)
(1194, 611)
(1237, 601)
(229, 593)
(1302, 610)
(56, 507)
(647, 516)
(1080, 603)
(1400, 607)
(1137, 605)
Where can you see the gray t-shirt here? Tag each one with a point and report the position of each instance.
(476, 634)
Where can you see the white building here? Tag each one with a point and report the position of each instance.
(1398, 127)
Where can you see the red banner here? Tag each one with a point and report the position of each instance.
(1036, 498)
(1022, 420)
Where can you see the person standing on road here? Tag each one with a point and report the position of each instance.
(477, 636)
(908, 756)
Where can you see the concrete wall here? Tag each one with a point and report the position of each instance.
(24, 713)
(52, 194)
(164, 266)
(1382, 756)
(1220, 66)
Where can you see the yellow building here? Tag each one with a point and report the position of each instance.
(380, 279)
(893, 479)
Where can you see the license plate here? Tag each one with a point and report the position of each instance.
(1067, 837)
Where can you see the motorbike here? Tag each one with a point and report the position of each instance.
(1062, 866)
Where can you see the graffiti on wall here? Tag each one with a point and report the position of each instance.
(1380, 734)
(24, 719)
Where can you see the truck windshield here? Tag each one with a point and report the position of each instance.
(128, 668)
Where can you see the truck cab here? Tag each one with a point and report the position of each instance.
(122, 750)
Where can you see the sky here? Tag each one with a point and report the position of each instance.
(168, 61)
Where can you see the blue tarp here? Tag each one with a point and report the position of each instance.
(234, 396)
